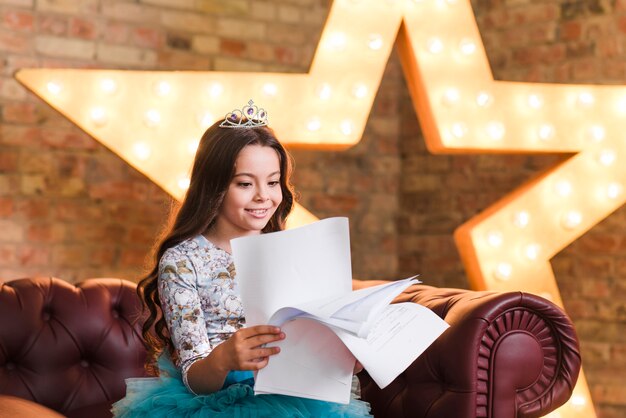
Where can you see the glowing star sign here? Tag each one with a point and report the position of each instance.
(154, 119)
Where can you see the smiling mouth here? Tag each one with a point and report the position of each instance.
(257, 212)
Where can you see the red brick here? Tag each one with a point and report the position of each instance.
(232, 47)
(82, 28)
(8, 161)
(102, 257)
(116, 32)
(29, 255)
(20, 112)
(69, 255)
(67, 139)
(18, 20)
(45, 233)
(336, 204)
(585, 70)
(6, 207)
(177, 60)
(286, 55)
(52, 25)
(133, 258)
(147, 37)
(571, 30)
(141, 234)
(260, 51)
(14, 42)
(8, 255)
(33, 209)
(78, 210)
(11, 231)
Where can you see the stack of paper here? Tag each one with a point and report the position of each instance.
(301, 280)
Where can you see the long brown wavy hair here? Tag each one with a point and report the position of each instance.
(212, 172)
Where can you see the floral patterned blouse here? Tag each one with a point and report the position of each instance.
(200, 299)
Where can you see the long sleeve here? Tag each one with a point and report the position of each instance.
(182, 309)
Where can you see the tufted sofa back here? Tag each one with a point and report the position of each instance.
(69, 346)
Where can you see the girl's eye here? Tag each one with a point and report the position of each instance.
(273, 183)
(244, 184)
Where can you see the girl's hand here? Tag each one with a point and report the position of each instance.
(244, 349)
(358, 367)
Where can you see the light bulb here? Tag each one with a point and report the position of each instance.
(99, 116)
(484, 99)
(108, 85)
(521, 219)
(54, 87)
(467, 46)
(270, 89)
(606, 157)
(578, 402)
(458, 129)
(434, 45)
(375, 41)
(205, 120)
(586, 99)
(183, 183)
(152, 118)
(142, 150)
(192, 146)
(571, 219)
(324, 91)
(347, 127)
(496, 130)
(162, 88)
(614, 190)
(494, 238)
(359, 91)
(503, 271)
(531, 251)
(596, 133)
(546, 132)
(563, 188)
(314, 124)
(337, 41)
(535, 101)
(215, 89)
(451, 96)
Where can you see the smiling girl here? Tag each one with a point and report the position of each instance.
(196, 336)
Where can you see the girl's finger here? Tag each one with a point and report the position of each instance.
(264, 339)
(260, 330)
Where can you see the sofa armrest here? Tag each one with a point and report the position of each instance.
(505, 355)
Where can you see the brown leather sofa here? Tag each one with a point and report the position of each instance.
(67, 349)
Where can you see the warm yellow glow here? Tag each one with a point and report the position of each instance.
(462, 109)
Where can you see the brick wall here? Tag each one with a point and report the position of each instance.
(71, 208)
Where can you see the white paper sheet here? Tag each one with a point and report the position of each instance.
(399, 336)
(301, 280)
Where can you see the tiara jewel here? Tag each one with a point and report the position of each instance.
(249, 116)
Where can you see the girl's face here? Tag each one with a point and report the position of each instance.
(254, 192)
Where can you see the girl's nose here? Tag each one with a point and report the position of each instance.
(261, 194)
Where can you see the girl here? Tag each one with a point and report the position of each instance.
(206, 357)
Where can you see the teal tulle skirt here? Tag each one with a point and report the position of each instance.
(167, 396)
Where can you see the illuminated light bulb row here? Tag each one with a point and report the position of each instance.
(346, 126)
(338, 41)
(466, 46)
(495, 130)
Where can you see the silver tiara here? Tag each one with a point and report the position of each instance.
(249, 116)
